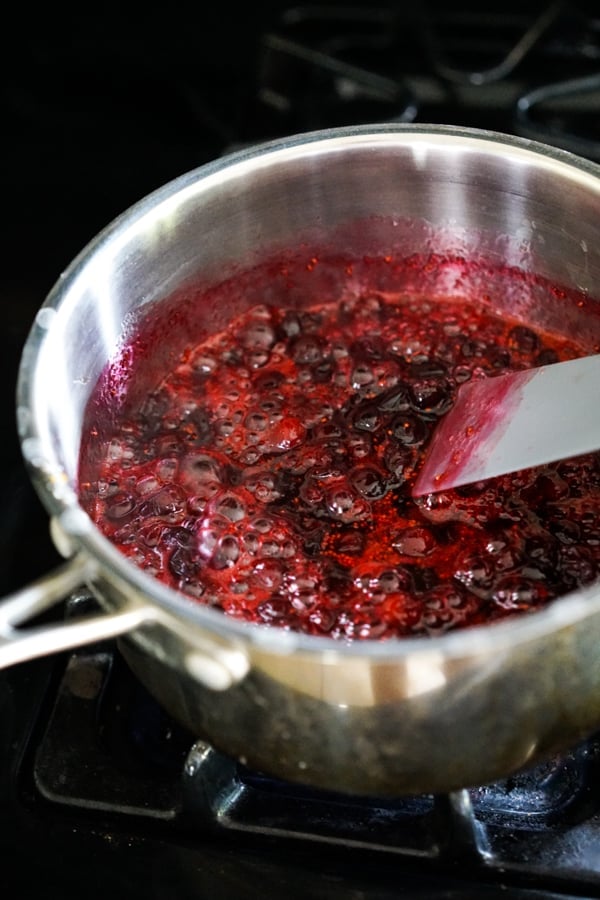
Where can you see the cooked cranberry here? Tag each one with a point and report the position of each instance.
(275, 611)
(546, 357)
(547, 488)
(176, 537)
(395, 398)
(322, 618)
(577, 565)
(367, 348)
(476, 573)
(368, 481)
(566, 530)
(541, 551)
(358, 446)
(498, 358)
(444, 607)
(258, 334)
(409, 429)
(346, 505)
(472, 348)
(431, 396)
(269, 474)
(367, 417)
(523, 339)
(324, 371)
(516, 592)
(184, 563)
(307, 350)
(399, 460)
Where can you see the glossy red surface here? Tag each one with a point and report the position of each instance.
(270, 474)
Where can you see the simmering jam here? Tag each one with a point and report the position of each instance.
(269, 474)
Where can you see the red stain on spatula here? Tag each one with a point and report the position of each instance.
(469, 431)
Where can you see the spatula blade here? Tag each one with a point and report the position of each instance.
(514, 421)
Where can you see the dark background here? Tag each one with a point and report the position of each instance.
(102, 104)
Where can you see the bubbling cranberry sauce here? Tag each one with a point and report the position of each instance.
(269, 474)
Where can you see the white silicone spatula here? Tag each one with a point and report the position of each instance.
(511, 422)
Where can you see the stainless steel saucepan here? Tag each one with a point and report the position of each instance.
(400, 717)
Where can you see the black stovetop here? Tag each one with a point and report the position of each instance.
(105, 793)
(100, 793)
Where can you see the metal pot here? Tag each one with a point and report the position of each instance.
(410, 716)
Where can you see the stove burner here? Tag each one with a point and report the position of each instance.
(554, 113)
(346, 93)
(535, 75)
(141, 766)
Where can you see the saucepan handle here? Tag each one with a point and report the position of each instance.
(21, 645)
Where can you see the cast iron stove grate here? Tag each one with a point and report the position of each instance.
(531, 72)
(106, 752)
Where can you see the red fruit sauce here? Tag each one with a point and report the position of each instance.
(269, 474)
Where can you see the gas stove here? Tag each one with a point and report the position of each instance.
(106, 791)
(100, 791)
